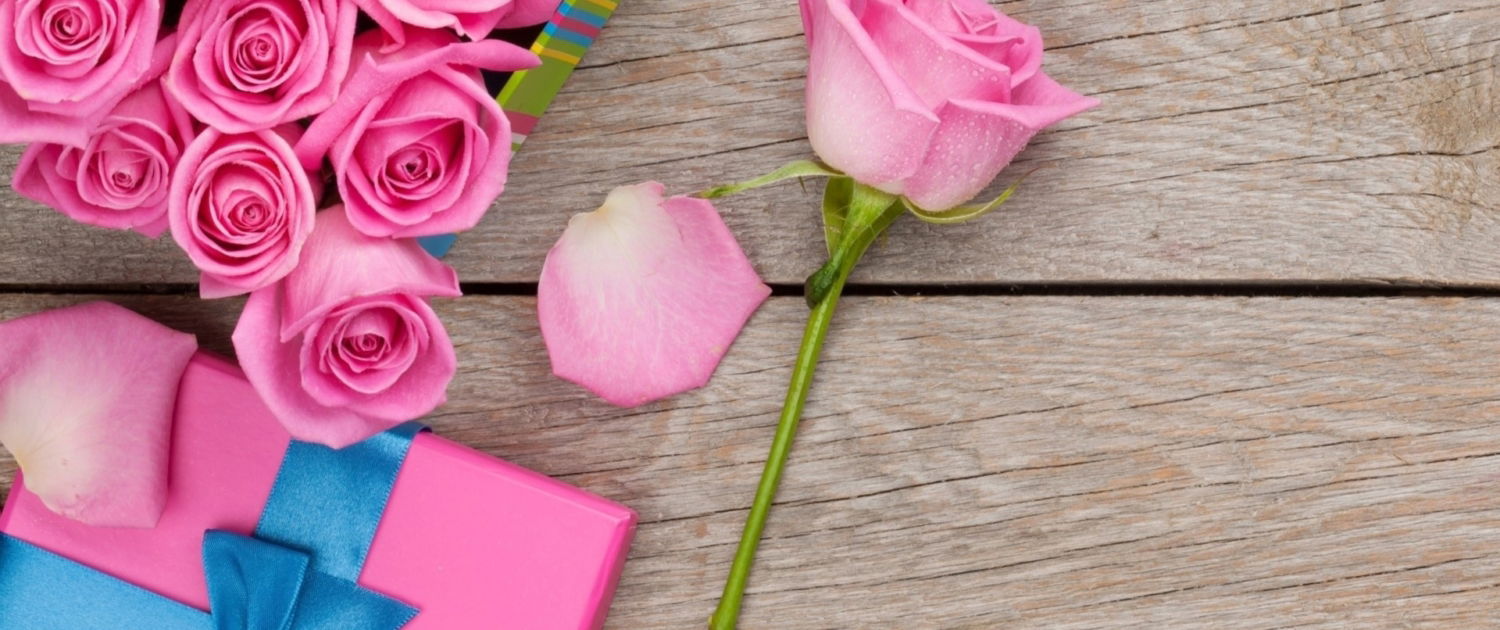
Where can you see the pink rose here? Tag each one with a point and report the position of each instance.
(474, 19)
(928, 99)
(119, 176)
(242, 207)
(247, 65)
(65, 64)
(346, 346)
(418, 146)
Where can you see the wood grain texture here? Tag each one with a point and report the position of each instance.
(1037, 462)
(1282, 140)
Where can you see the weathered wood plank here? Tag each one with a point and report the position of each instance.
(1057, 462)
(1317, 140)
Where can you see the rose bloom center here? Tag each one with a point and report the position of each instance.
(251, 216)
(67, 26)
(413, 165)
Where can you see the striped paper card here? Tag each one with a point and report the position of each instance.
(525, 95)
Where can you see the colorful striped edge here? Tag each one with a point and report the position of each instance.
(527, 93)
(561, 46)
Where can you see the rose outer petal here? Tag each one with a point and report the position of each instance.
(978, 139)
(862, 118)
(640, 299)
(87, 395)
(528, 13)
(340, 264)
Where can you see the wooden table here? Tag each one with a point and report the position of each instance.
(1234, 362)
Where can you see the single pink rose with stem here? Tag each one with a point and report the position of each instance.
(63, 65)
(119, 176)
(417, 145)
(915, 106)
(346, 346)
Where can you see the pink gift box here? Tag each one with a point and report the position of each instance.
(472, 541)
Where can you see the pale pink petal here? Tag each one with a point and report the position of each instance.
(979, 139)
(339, 264)
(271, 365)
(862, 118)
(640, 299)
(87, 395)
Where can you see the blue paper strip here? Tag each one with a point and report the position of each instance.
(439, 245)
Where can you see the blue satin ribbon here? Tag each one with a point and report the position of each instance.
(297, 573)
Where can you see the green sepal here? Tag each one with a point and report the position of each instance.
(800, 168)
(961, 214)
(869, 212)
(836, 199)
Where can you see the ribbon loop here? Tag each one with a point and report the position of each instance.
(256, 585)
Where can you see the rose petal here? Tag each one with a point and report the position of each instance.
(340, 264)
(420, 383)
(936, 67)
(271, 365)
(862, 118)
(977, 140)
(528, 13)
(640, 299)
(86, 401)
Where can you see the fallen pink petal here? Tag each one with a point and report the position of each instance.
(87, 395)
(640, 299)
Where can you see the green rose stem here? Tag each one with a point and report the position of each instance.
(854, 216)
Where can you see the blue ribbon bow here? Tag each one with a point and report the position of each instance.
(297, 573)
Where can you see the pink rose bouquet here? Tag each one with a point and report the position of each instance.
(292, 157)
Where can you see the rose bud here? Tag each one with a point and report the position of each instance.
(418, 146)
(928, 99)
(64, 65)
(242, 207)
(119, 176)
(346, 346)
(474, 19)
(247, 65)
